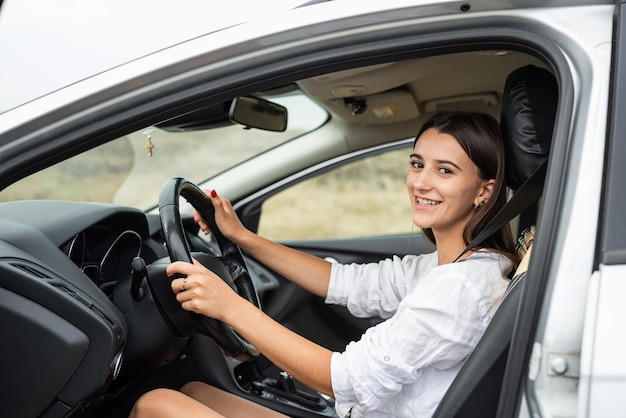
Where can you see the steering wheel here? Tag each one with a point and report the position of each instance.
(230, 267)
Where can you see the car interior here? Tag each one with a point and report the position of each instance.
(93, 321)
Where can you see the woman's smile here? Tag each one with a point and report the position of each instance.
(426, 202)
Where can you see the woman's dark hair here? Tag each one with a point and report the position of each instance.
(480, 137)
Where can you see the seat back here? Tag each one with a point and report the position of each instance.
(527, 120)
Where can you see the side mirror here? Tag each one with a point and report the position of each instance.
(254, 112)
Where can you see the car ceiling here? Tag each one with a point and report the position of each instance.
(405, 90)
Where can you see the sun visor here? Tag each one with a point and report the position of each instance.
(378, 109)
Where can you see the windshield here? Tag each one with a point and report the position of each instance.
(131, 169)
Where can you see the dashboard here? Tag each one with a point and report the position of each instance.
(64, 338)
(70, 326)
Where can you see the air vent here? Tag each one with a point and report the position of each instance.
(40, 274)
(65, 289)
(30, 270)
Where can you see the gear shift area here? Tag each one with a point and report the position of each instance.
(283, 388)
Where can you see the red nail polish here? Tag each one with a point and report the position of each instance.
(213, 193)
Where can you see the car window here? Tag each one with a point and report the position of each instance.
(364, 198)
(132, 169)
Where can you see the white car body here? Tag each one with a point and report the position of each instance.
(567, 351)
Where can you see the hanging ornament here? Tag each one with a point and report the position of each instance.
(149, 145)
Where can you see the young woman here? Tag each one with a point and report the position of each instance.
(436, 305)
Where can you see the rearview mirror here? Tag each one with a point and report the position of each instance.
(254, 112)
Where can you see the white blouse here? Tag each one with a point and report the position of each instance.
(403, 366)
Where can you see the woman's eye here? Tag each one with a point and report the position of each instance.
(416, 164)
(444, 170)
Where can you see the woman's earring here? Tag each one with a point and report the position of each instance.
(477, 206)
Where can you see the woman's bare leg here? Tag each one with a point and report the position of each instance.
(227, 404)
(167, 403)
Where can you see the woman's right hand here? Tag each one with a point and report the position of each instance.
(225, 217)
(306, 270)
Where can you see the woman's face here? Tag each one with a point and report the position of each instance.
(443, 184)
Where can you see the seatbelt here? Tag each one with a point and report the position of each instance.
(526, 196)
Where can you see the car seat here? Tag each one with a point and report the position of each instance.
(527, 119)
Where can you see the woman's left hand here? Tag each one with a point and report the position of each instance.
(200, 290)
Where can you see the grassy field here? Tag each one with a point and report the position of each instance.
(365, 198)
(361, 199)
(122, 172)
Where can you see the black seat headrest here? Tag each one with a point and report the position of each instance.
(527, 120)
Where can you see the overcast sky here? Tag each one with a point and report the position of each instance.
(47, 44)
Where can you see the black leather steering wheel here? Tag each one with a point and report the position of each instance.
(230, 267)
